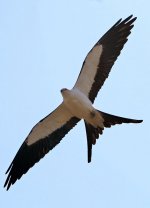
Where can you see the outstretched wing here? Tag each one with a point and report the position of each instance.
(102, 56)
(44, 136)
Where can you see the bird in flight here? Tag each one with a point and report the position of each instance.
(77, 104)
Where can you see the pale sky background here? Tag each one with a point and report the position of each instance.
(43, 45)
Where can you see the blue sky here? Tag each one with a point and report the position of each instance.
(42, 48)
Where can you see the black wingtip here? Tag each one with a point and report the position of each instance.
(7, 184)
(130, 19)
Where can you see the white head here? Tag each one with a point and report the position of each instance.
(63, 90)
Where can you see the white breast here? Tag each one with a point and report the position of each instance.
(77, 103)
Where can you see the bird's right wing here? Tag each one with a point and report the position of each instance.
(101, 58)
(44, 136)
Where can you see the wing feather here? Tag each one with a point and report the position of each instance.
(102, 56)
(44, 136)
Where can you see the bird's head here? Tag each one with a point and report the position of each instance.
(63, 90)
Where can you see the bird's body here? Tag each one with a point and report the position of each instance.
(80, 106)
(77, 105)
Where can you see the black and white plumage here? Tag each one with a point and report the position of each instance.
(76, 105)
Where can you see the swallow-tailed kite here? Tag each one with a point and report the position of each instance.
(77, 104)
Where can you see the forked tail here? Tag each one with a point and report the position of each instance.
(109, 120)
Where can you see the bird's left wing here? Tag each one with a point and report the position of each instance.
(44, 136)
(101, 58)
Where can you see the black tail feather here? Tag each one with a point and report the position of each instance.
(92, 134)
(109, 120)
